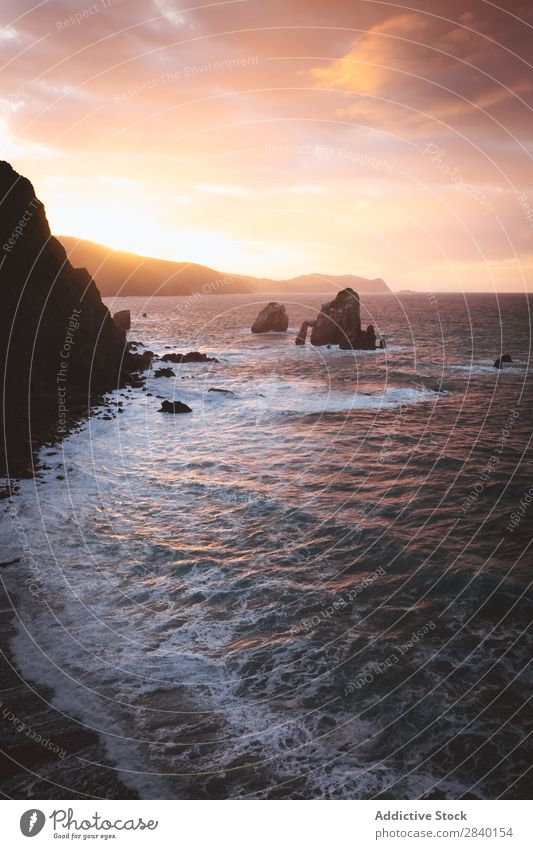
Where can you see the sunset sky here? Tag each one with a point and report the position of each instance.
(282, 137)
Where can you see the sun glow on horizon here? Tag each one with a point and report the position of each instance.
(284, 151)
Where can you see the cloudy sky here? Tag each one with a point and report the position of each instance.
(282, 137)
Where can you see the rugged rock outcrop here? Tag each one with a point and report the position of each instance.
(59, 347)
(364, 340)
(122, 319)
(302, 333)
(272, 318)
(191, 357)
(505, 358)
(339, 323)
(174, 407)
(164, 372)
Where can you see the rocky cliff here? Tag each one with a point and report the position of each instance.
(58, 344)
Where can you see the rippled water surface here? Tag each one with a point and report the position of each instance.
(308, 588)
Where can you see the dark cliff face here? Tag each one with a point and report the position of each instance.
(58, 342)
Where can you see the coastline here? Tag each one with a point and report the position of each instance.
(36, 739)
(39, 745)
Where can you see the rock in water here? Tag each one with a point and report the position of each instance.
(174, 407)
(273, 317)
(365, 340)
(339, 321)
(302, 334)
(142, 361)
(506, 358)
(58, 343)
(164, 372)
(191, 357)
(123, 320)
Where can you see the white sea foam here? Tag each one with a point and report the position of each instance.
(176, 554)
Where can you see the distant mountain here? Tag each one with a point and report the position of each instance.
(121, 273)
(325, 283)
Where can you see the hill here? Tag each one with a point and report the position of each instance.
(326, 283)
(59, 347)
(121, 273)
(118, 272)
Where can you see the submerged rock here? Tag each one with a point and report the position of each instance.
(273, 317)
(122, 320)
(174, 407)
(191, 357)
(164, 372)
(223, 391)
(505, 358)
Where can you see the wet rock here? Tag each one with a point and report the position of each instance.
(122, 319)
(302, 333)
(191, 357)
(498, 363)
(223, 391)
(272, 318)
(52, 319)
(174, 407)
(506, 358)
(339, 321)
(140, 362)
(164, 372)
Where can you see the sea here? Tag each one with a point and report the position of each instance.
(314, 586)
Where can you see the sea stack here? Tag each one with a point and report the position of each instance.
(339, 323)
(272, 318)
